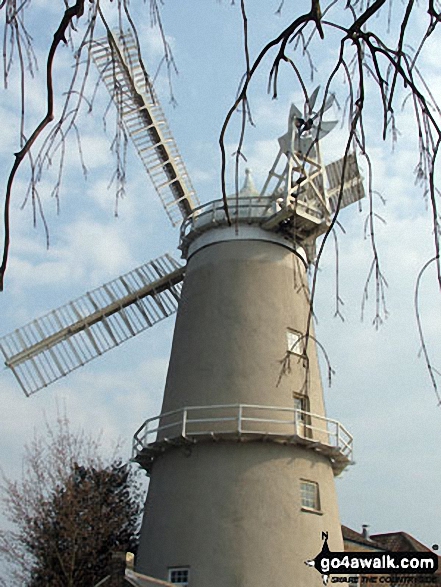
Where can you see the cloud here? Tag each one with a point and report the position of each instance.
(89, 252)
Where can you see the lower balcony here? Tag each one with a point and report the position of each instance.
(243, 423)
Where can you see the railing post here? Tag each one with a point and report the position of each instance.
(146, 433)
(338, 434)
(296, 422)
(184, 423)
(239, 419)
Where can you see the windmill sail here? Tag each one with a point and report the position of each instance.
(350, 186)
(119, 66)
(63, 340)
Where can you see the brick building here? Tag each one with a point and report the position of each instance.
(387, 543)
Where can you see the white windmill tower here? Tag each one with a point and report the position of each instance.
(242, 456)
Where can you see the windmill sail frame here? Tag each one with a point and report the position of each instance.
(343, 191)
(59, 342)
(117, 60)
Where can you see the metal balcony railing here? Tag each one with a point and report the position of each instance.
(247, 209)
(263, 211)
(244, 422)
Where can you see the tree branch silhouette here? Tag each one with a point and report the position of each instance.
(59, 37)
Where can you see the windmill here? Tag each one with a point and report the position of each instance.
(242, 457)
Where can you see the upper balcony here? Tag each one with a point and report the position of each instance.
(243, 423)
(296, 221)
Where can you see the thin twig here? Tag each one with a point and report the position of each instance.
(60, 36)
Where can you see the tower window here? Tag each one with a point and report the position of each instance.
(179, 575)
(300, 403)
(309, 492)
(302, 416)
(294, 341)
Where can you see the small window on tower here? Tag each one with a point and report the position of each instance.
(179, 575)
(294, 341)
(302, 417)
(309, 492)
(300, 404)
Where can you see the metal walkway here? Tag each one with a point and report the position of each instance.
(243, 423)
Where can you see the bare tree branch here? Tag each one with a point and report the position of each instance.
(59, 37)
(363, 55)
(424, 350)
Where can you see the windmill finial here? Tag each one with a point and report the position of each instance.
(248, 188)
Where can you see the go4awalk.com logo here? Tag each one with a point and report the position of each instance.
(410, 564)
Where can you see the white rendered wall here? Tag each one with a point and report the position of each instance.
(231, 511)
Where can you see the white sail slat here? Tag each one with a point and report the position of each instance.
(351, 186)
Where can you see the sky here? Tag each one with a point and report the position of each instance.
(381, 390)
